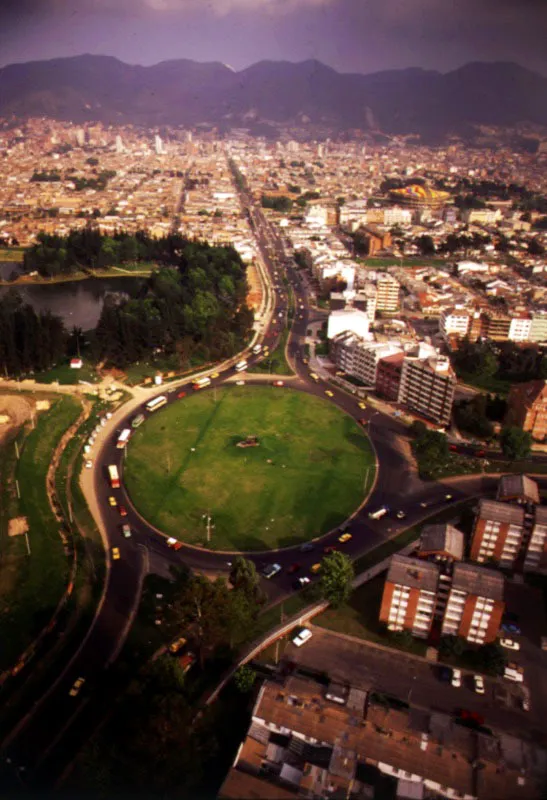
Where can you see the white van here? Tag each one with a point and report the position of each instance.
(381, 512)
(302, 637)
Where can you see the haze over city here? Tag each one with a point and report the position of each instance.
(349, 35)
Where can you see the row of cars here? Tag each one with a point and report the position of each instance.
(270, 570)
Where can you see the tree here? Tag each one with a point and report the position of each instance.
(417, 428)
(244, 679)
(243, 576)
(515, 443)
(336, 577)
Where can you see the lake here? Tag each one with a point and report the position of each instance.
(77, 302)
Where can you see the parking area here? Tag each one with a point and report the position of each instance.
(364, 665)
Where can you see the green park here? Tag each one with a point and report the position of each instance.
(248, 468)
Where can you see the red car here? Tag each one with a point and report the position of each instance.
(294, 568)
(329, 549)
(278, 383)
(181, 395)
(363, 421)
(123, 511)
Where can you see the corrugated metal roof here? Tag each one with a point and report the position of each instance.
(500, 512)
(442, 539)
(413, 572)
(479, 581)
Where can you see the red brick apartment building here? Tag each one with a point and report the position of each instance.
(527, 408)
(475, 604)
(498, 533)
(388, 376)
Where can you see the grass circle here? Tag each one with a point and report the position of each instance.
(306, 476)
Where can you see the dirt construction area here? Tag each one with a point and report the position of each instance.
(15, 410)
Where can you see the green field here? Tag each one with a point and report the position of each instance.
(31, 586)
(306, 476)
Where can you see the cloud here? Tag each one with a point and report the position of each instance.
(224, 7)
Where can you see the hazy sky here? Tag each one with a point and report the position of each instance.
(350, 35)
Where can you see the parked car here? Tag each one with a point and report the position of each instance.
(180, 395)
(478, 684)
(510, 644)
(514, 672)
(456, 679)
(510, 627)
(279, 383)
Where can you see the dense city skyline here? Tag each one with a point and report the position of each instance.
(349, 35)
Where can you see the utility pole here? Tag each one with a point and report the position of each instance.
(17, 449)
(17, 489)
(28, 542)
(209, 526)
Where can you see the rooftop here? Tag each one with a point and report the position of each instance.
(478, 581)
(519, 487)
(500, 512)
(442, 539)
(414, 573)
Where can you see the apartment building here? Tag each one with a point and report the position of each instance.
(517, 489)
(442, 542)
(427, 385)
(387, 293)
(475, 604)
(496, 326)
(527, 408)
(360, 357)
(535, 558)
(519, 328)
(410, 590)
(454, 321)
(388, 375)
(348, 319)
(538, 328)
(498, 533)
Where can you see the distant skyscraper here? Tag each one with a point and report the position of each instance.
(119, 144)
(158, 145)
(80, 136)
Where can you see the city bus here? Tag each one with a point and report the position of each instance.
(156, 403)
(123, 438)
(113, 476)
(201, 383)
(241, 366)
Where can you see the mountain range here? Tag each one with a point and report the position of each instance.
(275, 93)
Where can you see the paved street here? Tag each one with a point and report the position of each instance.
(361, 664)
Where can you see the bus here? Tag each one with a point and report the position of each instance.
(138, 420)
(241, 366)
(113, 476)
(201, 383)
(156, 403)
(314, 377)
(123, 438)
(257, 348)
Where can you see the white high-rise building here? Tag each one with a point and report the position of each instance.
(119, 144)
(158, 145)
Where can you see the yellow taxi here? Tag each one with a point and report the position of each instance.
(177, 645)
(315, 568)
(115, 553)
(361, 404)
(112, 500)
(329, 393)
(215, 375)
(345, 537)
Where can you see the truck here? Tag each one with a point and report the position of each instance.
(201, 383)
(113, 476)
(123, 438)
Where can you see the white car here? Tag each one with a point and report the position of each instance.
(240, 383)
(513, 672)
(456, 679)
(510, 644)
(302, 637)
(271, 570)
(89, 464)
(478, 684)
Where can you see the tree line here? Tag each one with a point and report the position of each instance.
(194, 307)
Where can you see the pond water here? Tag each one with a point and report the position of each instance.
(77, 302)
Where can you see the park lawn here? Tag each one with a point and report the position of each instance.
(65, 375)
(31, 586)
(306, 476)
(359, 617)
(487, 383)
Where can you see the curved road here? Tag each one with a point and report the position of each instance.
(36, 751)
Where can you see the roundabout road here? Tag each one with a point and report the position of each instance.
(46, 738)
